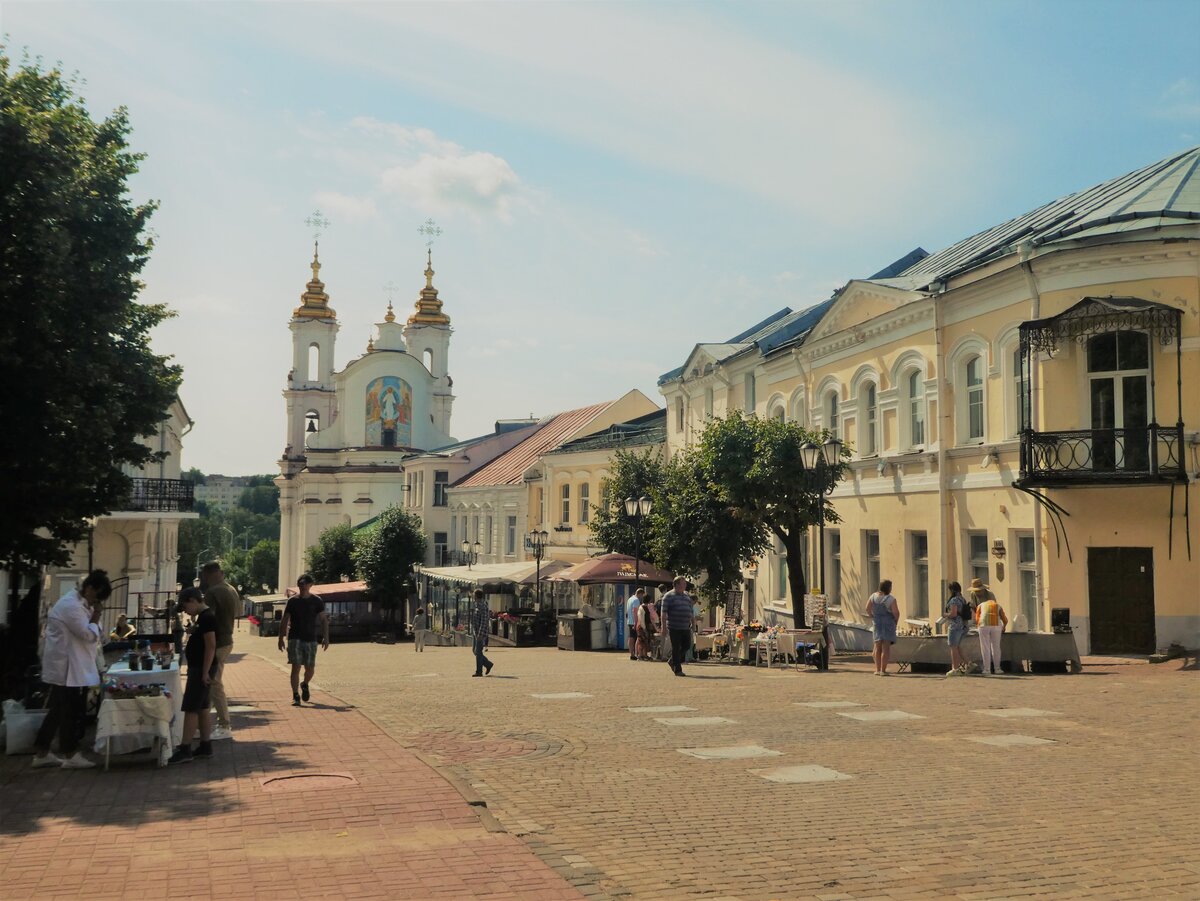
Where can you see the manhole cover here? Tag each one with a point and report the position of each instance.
(307, 782)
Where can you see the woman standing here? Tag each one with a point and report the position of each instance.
(884, 613)
(958, 613)
(990, 618)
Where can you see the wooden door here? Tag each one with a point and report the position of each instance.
(1121, 599)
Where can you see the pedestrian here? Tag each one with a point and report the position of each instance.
(481, 621)
(69, 668)
(991, 619)
(420, 625)
(958, 613)
(200, 653)
(303, 613)
(632, 614)
(664, 645)
(979, 593)
(647, 628)
(123, 630)
(885, 614)
(677, 611)
(222, 599)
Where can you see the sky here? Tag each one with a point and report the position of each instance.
(615, 182)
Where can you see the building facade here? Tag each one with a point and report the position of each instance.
(1021, 407)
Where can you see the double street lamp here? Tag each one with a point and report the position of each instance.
(636, 508)
(537, 544)
(470, 552)
(821, 464)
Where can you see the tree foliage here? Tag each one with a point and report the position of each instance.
(83, 384)
(632, 474)
(262, 499)
(332, 557)
(206, 538)
(385, 555)
(756, 468)
(254, 570)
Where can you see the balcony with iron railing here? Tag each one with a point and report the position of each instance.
(1151, 454)
(158, 496)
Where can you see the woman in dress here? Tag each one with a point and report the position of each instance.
(884, 613)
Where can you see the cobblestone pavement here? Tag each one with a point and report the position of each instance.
(976, 788)
(213, 829)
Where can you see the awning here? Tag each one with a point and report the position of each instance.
(613, 569)
(522, 573)
(332, 592)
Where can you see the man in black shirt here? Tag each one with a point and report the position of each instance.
(301, 617)
(200, 655)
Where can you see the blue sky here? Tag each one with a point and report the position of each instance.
(616, 181)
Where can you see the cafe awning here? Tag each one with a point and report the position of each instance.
(614, 569)
(520, 573)
(332, 592)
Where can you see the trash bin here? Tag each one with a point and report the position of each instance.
(599, 634)
(574, 633)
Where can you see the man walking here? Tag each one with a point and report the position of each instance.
(481, 627)
(678, 613)
(222, 599)
(301, 616)
(631, 620)
(69, 668)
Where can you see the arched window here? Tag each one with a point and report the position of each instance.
(777, 414)
(708, 402)
(974, 410)
(427, 358)
(915, 398)
(312, 424)
(314, 364)
(870, 421)
(831, 413)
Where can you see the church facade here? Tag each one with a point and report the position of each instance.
(349, 431)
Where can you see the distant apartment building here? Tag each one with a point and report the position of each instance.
(221, 492)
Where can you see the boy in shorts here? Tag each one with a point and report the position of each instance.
(302, 617)
(201, 657)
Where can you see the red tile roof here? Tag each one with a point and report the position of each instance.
(508, 468)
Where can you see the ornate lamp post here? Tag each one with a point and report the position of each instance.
(636, 508)
(537, 544)
(470, 552)
(821, 464)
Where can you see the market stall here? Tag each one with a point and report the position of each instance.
(140, 708)
(605, 584)
(1020, 650)
(522, 613)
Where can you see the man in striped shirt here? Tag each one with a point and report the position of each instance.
(481, 627)
(678, 613)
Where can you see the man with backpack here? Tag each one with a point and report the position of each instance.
(959, 615)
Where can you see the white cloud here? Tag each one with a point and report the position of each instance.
(1181, 100)
(345, 207)
(479, 183)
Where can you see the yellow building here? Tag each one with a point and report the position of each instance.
(1022, 407)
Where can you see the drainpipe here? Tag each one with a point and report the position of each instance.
(1025, 254)
(938, 291)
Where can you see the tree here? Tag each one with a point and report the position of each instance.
(84, 384)
(632, 474)
(262, 499)
(756, 467)
(333, 555)
(252, 570)
(385, 554)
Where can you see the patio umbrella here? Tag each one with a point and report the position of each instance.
(613, 569)
(549, 567)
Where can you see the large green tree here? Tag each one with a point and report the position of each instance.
(756, 467)
(82, 382)
(255, 569)
(332, 557)
(385, 554)
(631, 474)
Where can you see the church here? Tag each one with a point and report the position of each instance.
(349, 431)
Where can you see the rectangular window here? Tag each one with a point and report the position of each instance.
(679, 414)
(975, 399)
(977, 556)
(487, 541)
(541, 506)
(1027, 569)
(708, 402)
(833, 568)
(919, 602)
(751, 400)
(585, 501)
(510, 536)
(441, 481)
(440, 547)
(871, 556)
(781, 571)
(474, 530)
(566, 505)
(872, 442)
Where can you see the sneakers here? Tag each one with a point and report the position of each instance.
(78, 762)
(488, 669)
(204, 750)
(476, 675)
(304, 691)
(295, 700)
(182, 755)
(46, 760)
(955, 672)
(220, 733)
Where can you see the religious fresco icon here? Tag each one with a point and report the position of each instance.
(389, 412)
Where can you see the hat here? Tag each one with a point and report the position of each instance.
(977, 584)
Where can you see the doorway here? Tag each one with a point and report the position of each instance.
(1118, 377)
(1121, 600)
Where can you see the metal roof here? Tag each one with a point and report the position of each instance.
(648, 429)
(1162, 194)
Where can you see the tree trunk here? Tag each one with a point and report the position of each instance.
(793, 543)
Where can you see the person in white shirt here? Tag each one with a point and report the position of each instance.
(631, 619)
(69, 668)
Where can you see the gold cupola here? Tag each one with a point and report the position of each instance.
(429, 308)
(314, 302)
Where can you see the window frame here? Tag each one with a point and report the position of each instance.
(872, 568)
(585, 500)
(441, 485)
(564, 496)
(976, 564)
(833, 569)
(975, 399)
(918, 600)
(916, 413)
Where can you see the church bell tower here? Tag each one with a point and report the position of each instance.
(310, 391)
(427, 335)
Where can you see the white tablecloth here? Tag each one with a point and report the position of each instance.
(167, 677)
(127, 724)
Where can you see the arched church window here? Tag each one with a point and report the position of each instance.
(314, 364)
(427, 358)
(312, 424)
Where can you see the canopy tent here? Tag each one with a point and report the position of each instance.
(522, 573)
(613, 569)
(335, 591)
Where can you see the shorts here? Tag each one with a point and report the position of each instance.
(196, 695)
(633, 633)
(956, 635)
(303, 653)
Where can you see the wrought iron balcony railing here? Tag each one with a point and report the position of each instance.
(1103, 456)
(159, 496)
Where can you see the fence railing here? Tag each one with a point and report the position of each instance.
(1150, 453)
(160, 496)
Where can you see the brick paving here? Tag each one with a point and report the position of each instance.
(211, 829)
(1094, 798)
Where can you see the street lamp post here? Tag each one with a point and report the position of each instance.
(636, 508)
(470, 551)
(228, 532)
(537, 543)
(821, 464)
(199, 556)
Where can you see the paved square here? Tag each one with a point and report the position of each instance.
(1012, 741)
(693, 720)
(677, 708)
(797, 774)
(881, 716)
(828, 705)
(735, 752)
(1009, 713)
(561, 695)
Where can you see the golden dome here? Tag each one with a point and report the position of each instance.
(314, 302)
(429, 308)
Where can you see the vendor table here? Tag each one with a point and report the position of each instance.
(169, 679)
(128, 723)
(1018, 648)
(740, 648)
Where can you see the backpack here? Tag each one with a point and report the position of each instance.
(965, 613)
